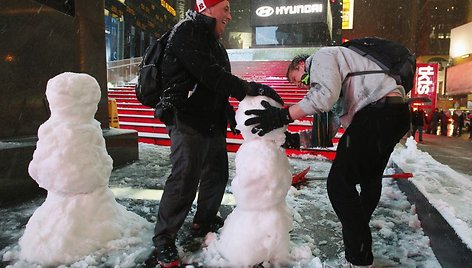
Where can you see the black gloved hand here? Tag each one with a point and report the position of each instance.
(232, 125)
(292, 140)
(230, 114)
(268, 119)
(256, 89)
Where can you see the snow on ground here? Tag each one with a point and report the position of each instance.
(446, 189)
(399, 240)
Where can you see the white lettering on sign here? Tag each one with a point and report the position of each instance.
(299, 9)
(424, 81)
(266, 11)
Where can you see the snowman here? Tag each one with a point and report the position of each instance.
(258, 228)
(80, 214)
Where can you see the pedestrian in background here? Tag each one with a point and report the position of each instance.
(194, 106)
(435, 117)
(470, 126)
(373, 112)
(458, 119)
(444, 122)
(418, 119)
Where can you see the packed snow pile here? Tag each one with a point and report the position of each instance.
(80, 214)
(446, 189)
(257, 230)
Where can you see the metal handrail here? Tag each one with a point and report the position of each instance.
(122, 72)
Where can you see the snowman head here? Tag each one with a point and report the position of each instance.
(73, 95)
(249, 103)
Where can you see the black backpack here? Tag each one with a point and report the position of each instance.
(149, 87)
(395, 59)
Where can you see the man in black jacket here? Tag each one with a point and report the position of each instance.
(195, 108)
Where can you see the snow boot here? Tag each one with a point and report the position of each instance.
(344, 264)
(165, 256)
(201, 229)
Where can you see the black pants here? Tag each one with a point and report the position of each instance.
(420, 132)
(196, 159)
(361, 157)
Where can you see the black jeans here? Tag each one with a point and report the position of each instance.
(361, 157)
(420, 132)
(196, 159)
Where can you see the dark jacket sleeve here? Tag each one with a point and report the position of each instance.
(191, 46)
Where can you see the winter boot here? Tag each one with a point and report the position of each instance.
(344, 264)
(201, 229)
(165, 256)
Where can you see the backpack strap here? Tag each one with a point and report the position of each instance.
(394, 76)
(367, 72)
(363, 73)
(358, 49)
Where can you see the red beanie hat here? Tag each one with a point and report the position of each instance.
(201, 5)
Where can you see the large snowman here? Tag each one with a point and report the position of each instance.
(80, 214)
(258, 228)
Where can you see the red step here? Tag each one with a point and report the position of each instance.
(133, 115)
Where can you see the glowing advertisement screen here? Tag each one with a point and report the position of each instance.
(425, 87)
(276, 12)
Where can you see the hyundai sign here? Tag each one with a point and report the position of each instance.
(276, 12)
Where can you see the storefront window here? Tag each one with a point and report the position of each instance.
(309, 34)
(114, 38)
(279, 23)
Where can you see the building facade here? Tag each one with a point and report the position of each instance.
(131, 25)
(281, 23)
(424, 26)
(41, 39)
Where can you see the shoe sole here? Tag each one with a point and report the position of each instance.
(172, 264)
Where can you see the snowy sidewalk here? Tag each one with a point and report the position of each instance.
(399, 240)
(445, 193)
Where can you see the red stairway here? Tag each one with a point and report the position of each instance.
(133, 115)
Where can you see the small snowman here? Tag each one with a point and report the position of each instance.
(258, 228)
(80, 214)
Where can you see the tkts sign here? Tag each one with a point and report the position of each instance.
(426, 80)
(276, 12)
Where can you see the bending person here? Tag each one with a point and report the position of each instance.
(373, 112)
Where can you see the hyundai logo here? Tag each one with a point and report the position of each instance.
(264, 11)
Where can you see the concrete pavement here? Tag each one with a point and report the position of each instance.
(456, 152)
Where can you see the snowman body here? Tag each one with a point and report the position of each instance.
(80, 214)
(258, 228)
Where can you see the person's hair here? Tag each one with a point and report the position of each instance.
(295, 63)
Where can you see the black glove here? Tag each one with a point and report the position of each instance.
(268, 119)
(256, 89)
(292, 141)
(230, 114)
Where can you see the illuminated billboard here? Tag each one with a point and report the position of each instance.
(459, 79)
(426, 81)
(277, 12)
(461, 41)
(348, 14)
